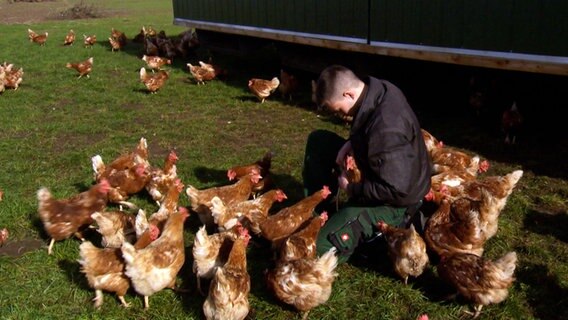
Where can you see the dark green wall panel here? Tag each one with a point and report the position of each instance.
(521, 26)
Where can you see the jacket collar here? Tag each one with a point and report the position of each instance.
(367, 102)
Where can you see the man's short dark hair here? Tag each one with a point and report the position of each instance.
(332, 82)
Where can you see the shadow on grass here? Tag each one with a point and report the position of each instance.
(192, 299)
(72, 269)
(547, 224)
(547, 297)
(291, 185)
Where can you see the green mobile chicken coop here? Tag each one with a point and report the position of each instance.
(523, 35)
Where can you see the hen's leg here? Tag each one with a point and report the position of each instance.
(477, 309)
(124, 303)
(50, 247)
(199, 286)
(146, 303)
(98, 299)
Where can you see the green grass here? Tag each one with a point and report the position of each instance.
(52, 125)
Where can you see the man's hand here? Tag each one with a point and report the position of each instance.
(342, 181)
(340, 159)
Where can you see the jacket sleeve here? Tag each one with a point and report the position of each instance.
(389, 178)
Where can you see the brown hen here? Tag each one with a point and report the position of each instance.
(89, 41)
(69, 38)
(406, 249)
(67, 217)
(479, 280)
(115, 227)
(288, 84)
(155, 62)
(84, 67)
(153, 82)
(229, 194)
(262, 165)
(104, 268)
(230, 287)
(211, 251)
(286, 221)
(304, 283)
(250, 212)
(162, 178)
(302, 244)
(263, 88)
(156, 267)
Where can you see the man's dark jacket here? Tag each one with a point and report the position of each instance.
(388, 147)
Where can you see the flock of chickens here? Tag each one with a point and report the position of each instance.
(465, 211)
(465, 218)
(159, 50)
(148, 252)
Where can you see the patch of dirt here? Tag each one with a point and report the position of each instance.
(66, 142)
(35, 12)
(28, 12)
(18, 248)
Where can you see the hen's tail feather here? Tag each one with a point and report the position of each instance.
(130, 205)
(201, 237)
(86, 249)
(192, 194)
(507, 263)
(142, 73)
(98, 164)
(43, 194)
(514, 177)
(128, 252)
(218, 208)
(327, 263)
(141, 223)
(275, 83)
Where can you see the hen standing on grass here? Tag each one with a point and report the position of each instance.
(67, 217)
(229, 194)
(304, 283)
(302, 243)
(263, 88)
(162, 178)
(40, 39)
(69, 38)
(114, 44)
(11, 77)
(230, 287)
(282, 224)
(288, 84)
(210, 252)
(406, 249)
(114, 227)
(153, 82)
(104, 268)
(89, 41)
(479, 280)
(84, 67)
(156, 267)
(252, 211)
(31, 35)
(262, 165)
(155, 62)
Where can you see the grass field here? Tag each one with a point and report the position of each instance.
(54, 123)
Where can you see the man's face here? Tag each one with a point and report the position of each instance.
(341, 105)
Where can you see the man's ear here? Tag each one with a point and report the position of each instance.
(350, 94)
